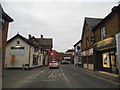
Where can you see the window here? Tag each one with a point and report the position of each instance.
(106, 60)
(18, 42)
(103, 35)
(87, 42)
(2, 22)
(35, 59)
(36, 50)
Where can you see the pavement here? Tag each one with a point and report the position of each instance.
(103, 74)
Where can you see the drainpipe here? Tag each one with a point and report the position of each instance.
(29, 56)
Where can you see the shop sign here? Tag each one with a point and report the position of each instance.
(90, 51)
(87, 52)
(45, 53)
(78, 53)
(35, 56)
(107, 43)
(17, 51)
(83, 53)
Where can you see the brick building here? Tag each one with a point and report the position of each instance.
(46, 45)
(105, 41)
(87, 42)
(4, 25)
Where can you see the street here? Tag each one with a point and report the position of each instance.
(67, 76)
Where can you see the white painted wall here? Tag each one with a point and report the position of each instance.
(19, 59)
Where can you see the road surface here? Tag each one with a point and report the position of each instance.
(67, 76)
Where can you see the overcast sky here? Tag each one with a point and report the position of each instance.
(60, 20)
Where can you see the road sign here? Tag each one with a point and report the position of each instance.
(78, 53)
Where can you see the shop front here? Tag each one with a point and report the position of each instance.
(87, 59)
(35, 59)
(107, 48)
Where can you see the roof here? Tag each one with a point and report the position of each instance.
(23, 38)
(45, 41)
(4, 15)
(92, 22)
(77, 43)
(115, 10)
(70, 50)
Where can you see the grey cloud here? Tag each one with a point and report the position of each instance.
(62, 21)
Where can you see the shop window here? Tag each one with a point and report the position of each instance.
(90, 60)
(35, 59)
(36, 50)
(85, 59)
(106, 60)
(103, 34)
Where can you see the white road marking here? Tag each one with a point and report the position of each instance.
(51, 75)
(48, 80)
(60, 75)
(64, 76)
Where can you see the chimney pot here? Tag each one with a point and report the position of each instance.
(41, 36)
(29, 36)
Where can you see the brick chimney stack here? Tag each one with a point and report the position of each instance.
(113, 8)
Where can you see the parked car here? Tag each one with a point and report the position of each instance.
(65, 62)
(54, 64)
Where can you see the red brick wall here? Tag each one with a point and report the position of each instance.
(4, 41)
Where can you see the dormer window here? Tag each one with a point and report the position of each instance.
(103, 34)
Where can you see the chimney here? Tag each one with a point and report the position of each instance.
(29, 36)
(41, 36)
